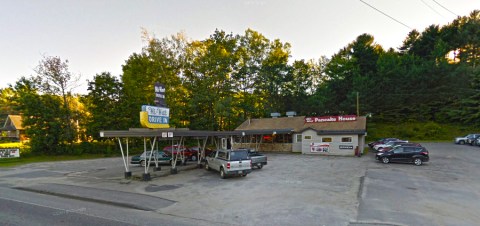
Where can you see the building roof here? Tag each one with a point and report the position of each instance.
(298, 125)
(13, 122)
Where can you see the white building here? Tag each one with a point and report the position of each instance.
(325, 135)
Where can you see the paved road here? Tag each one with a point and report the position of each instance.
(290, 190)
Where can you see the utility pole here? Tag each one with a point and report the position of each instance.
(358, 105)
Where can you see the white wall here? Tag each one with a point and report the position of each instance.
(334, 147)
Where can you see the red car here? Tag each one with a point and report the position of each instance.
(173, 150)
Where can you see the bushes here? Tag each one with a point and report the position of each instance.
(419, 131)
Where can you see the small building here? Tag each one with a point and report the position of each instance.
(327, 135)
(13, 129)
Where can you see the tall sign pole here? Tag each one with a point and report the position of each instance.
(160, 95)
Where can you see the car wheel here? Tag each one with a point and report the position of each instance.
(244, 175)
(142, 163)
(259, 166)
(461, 142)
(194, 158)
(222, 173)
(385, 160)
(417, 161)
(207, 167)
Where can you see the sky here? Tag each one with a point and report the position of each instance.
(98, 36)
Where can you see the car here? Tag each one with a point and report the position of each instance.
(464, 139)
(379, 147)
(162, 157)
(381, 141)
(258, 159)
(405, 154)
(189, 154)
(471, 139)
(229, 162)
(401, 144)
(196, 149)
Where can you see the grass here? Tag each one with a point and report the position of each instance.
(12, 162)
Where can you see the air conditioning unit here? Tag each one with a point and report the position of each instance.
(291, 113)
(275, 114)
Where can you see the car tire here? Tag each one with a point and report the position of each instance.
(461, 142)
(207, 167)
(260, 166)
(417, 161)
(244, 175)
(194, 158)
(385, 160)
(222, 173)
(142, 163)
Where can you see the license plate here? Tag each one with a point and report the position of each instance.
(240, 171)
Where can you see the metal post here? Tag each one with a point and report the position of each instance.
(127, 173)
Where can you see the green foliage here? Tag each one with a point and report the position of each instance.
(417, 131)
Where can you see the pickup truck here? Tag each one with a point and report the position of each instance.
(229, 162)
(258, 159)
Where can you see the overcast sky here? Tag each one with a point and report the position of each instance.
(99, 35)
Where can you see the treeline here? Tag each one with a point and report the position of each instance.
(217, 83)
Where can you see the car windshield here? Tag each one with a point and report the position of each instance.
(238, 155)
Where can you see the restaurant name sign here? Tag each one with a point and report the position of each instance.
(339, 118)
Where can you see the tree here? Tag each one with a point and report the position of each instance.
(53, 78)
(105, 105)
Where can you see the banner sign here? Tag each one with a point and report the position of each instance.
(345, 147)
(160, 95)
(319, 147)
(154, 117)
(9, 153)
(340, 118)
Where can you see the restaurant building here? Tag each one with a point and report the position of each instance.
(325, 135)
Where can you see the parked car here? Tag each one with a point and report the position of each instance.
(401, 144)
(229, 162)
(258, 159)
(417, 155)
(464, 139)
(471, 139)
(189, 154)
(381, 141)
(162, 157)
(379, 147)
(195, 151)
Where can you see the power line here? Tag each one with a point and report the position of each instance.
(423, 1)
(445, 8)
(386, 15)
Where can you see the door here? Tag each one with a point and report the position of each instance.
(397, 155)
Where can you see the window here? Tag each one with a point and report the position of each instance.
(346, 139)
(326, 139)
(222, 155)
(298, 137)
(307, 137)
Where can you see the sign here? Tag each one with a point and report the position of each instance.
(346, 147)
(155, 117)
(160, 95)
(319, 147)
(9, 153)
(340, 118)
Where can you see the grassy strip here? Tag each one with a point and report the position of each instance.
(12, 162)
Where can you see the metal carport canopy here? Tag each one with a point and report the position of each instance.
(187, 133)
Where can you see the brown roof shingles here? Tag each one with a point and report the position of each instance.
(298, 124)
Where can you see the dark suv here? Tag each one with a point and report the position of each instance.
(417, 155)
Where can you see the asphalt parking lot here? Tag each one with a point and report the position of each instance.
(292, 189)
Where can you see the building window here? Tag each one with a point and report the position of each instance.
(307, 137)
(346, 139)
(298, 138)
(326, 139)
